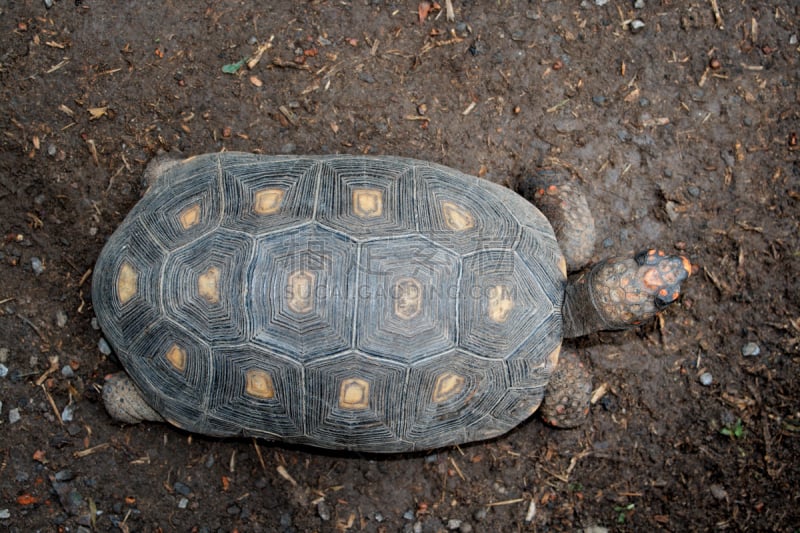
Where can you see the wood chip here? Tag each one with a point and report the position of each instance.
(469, 108)
(289, 114)
(599, 392)
(256, 57)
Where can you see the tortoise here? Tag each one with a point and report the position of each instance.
(377, 304)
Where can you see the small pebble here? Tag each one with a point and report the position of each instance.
(408, 515)
(4, 353)
(598, 100)
(480, 514)
(68, 413)
(718, 491)
(4, 514)
(706, 379)
(95, 324)
(252, 40)
(3, 370)
(453, 524)
(64, 475)
(37, 266)
(366, 78)
(693, 191)
(793, 39)
(48, 4)
(636, 26)
(323, 511)
(67, 371)
(183, 503)
(638, 4)
(103, 346)
(52, 150)
(182, 488)
(600, 2)
(14, 416)
(234, 510)
(379, 517)
(466, 527)
(61, 318)
(751, 349)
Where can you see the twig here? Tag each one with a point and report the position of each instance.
(90, 451)
(260, 457)
(458, 470)
(34, 328)
(52, 368)
(448, 6)
(52, 404)
(285, 475)
(717, 15)
(505, 502)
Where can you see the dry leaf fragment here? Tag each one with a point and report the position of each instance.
(423, 10)
(97, 112)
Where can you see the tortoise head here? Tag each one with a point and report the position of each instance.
(661, 275)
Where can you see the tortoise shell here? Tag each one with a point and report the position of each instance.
(369, 303)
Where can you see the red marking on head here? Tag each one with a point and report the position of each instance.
(552, 189)
(687, 265)
(662, 292)
(652, 279)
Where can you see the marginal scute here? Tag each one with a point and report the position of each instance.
(300, 291)
(268, 201)
(354, 394)
(189, 216)
(259, 384)
(208, 285)
(176, 357)
(367, 203)
(456, 217)
(448, 385)
(408, 298)
(127, 279)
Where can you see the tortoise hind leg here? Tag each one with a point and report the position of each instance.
(569, 391)
(124, 401)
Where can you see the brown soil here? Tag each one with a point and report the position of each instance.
(684, 134)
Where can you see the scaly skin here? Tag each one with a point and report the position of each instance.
(124, 402)
(568, 212)
(569, 391)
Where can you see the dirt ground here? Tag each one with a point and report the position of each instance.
(683, 133)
